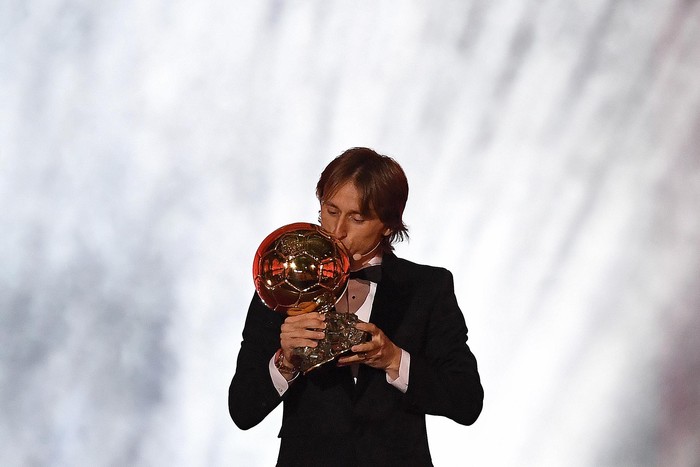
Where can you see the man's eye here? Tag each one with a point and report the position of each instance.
(359, 220)
(332, 212)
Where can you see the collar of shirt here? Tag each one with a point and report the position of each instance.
(370, 271)
(375, 261)
(365, 310)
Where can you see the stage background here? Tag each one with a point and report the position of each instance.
(147, 147)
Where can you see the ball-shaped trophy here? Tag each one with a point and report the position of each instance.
(300, 268)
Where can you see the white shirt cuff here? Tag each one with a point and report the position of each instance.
(278, 380)
(401, 383)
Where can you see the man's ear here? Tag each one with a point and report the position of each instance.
(387, 232)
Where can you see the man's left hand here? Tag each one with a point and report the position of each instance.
(378, 353)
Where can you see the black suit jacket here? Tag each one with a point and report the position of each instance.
(329, 420)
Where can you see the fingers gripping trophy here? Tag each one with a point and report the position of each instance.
(300, 268)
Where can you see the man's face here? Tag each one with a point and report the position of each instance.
(340, 215)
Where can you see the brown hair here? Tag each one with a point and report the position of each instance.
(382, 185)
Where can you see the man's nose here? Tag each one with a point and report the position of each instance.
(339, 229)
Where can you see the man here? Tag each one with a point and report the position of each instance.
(369, 407)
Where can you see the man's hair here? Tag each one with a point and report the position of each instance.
(382, 185)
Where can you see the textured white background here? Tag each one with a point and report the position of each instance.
(147, 147)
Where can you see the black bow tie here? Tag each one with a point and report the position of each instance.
(371, 273)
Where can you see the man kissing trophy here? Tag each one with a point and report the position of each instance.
(300, 268)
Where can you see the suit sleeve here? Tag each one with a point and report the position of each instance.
(444, 379)
(252, 395)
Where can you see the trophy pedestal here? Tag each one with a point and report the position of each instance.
(341, 335)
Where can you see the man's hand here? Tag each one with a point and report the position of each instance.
(301, 331)
(379, 352)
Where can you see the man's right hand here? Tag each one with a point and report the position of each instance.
(301, 331)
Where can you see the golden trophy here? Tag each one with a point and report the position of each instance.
(300, 268)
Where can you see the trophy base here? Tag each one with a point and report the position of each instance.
(341, 335)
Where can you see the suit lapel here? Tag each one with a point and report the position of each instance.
(387, 312)
(388, 306)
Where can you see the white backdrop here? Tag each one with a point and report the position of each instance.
(147, 147)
